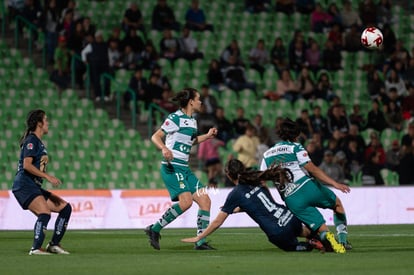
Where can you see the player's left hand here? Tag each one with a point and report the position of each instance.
(190, 240)
(212, 132)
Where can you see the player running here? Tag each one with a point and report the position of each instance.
(305, 193)
(249, 195)
(180, 133)
(27, 186)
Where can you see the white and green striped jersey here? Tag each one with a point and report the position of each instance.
(292, 156)
(180, 130)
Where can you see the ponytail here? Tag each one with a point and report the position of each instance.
(33, 117)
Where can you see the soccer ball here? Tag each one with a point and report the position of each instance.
(371, 38)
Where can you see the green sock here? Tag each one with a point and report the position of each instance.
(171, 214)
(322, 235)
(341, 229)
(203, 219)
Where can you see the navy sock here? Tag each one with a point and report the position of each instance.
(39, 230)
(61, 224)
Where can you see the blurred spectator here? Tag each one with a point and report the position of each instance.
(305, 6)
(273, 136)
(393, 116)
(208, 152)
(235, 77)
(232, 51)
(149, 56)
(297, 55)
(286, 88)
(285, 6)
(400, 54)
(204, 119)
(408, 137)
(408, 75)
(133, 19)
(261, 130)
(371, 171)
(166, 102)
(257, 6)
(34, 14)
(305, 84)
(87, 26)
(72, 7)
(115, 35)
(376, 118)
(323, 87)
(169, 46)
(153, 92)
(389, 39)
(278, 56)
(75, 44)
(331, 168)
(138, 84)
(352, 39)
(305, 125)
(333, 11)
(67, 26)
(128, 58)
(240, 122)
(350, 16)
(368, 12)
(259, 57)
(384, 12)
(319, 122)
(61, 72)
(189, 47)
(132, 40)
(195, 18)
(162, 79)
(313, 57)
(395, 81)
(331, 57)
(357, 118)
(114, 56)
(246, 147)
(375, 146)
(405, 169)
(96, 55)
(163, 17)
(315, 150)
(355, 159)
(335, 35)
(51, 25)
(393, 156)
(208, 100)
(215, 76)
(355, 135)
(408, 103)
(224, 126)
(15, 8)
(375, 85)
(338, 120)
(320, 19)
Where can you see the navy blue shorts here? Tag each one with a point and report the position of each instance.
(26, 190)
(287, 238)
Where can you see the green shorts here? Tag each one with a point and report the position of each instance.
(179, 179)
(304, 201)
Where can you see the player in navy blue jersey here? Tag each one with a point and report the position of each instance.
(27, 186)
(249, 195)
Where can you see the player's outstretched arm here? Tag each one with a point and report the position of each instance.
(218, 221)
(212, 133)
(322, 176)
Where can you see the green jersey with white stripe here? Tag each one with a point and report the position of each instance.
(180, 130)
(292, 156)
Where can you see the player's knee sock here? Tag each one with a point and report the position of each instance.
(61, 224)
(341, 228)
(203, 219)
(40, 230)
(171, 214)
(322, 235)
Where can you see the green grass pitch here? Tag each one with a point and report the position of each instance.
(383, 249)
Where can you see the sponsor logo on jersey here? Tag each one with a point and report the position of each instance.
(29, 146)
(305, 154)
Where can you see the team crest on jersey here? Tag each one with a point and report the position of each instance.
(29, 146)
(182, 185)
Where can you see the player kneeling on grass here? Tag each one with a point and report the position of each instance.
(251, 196)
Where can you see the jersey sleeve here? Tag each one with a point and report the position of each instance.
(170, 125)
(302, 155)
(231, 202)
(30, 147)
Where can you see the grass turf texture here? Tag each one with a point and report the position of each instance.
(384, 249)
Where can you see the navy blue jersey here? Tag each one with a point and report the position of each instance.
(258, 203)
(33, 147)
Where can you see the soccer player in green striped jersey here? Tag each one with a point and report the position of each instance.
(304, 193)
(175, 138)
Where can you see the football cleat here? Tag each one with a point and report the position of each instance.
(153, 237)
(204, 246)
(337, 247)
(347, 245)
(316, 244)
(39, 251)
(56, 249)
